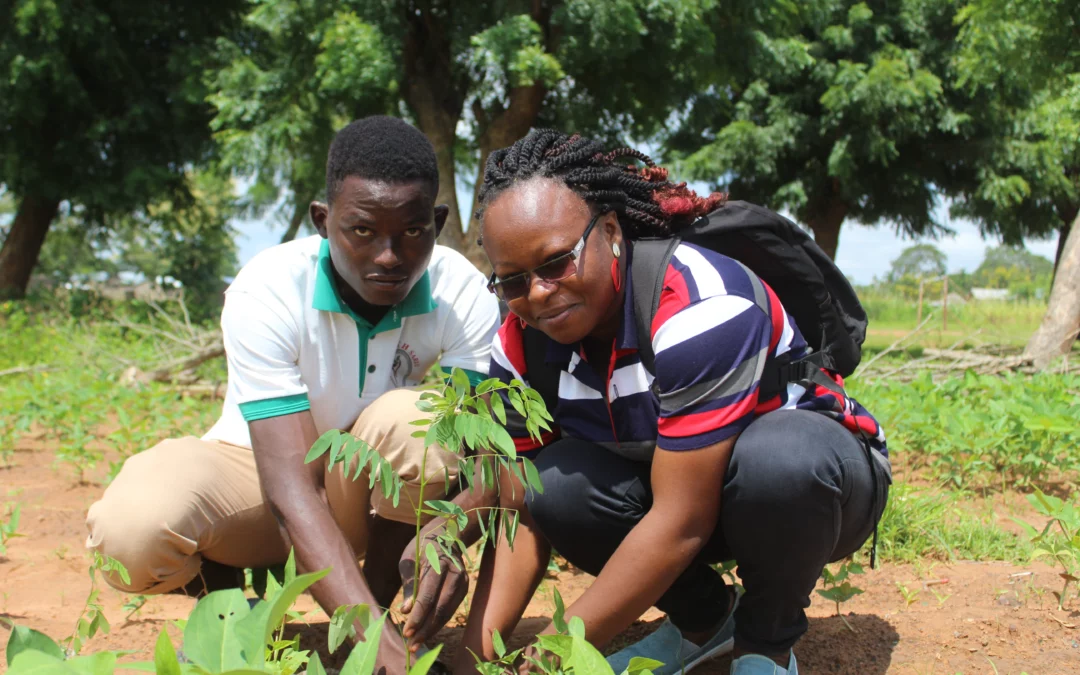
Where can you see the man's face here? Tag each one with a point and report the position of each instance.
(381, 236)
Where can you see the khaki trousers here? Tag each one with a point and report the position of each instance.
(185, 499)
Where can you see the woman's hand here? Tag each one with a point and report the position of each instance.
(438, 595)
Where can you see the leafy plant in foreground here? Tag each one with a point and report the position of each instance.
(1059, 540)
(838, 587)
(92, 619)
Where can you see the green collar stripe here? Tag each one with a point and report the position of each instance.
(326, 298)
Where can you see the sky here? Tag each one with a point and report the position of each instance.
(863, 254)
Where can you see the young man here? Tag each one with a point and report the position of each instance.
(321, 333)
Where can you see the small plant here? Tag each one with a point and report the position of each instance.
(134, 605)
(1059, 540)
(838, 587)
(459, 419)
(909, 595)
(92, 619)
(9, 527)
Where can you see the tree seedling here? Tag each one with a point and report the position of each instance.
(9, 528)
(838, 587)
(909, 595)
(1059, 540)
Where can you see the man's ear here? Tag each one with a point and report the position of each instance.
(319, 213)
(441, 212)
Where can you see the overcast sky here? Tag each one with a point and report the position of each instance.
(864, 252)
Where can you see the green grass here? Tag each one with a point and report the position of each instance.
(77, 400)
(999, 322)
(920, 524)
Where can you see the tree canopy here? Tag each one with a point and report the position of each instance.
(844, 115)
(101, 106)
(921, 260)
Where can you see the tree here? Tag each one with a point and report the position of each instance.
(297, 71)
(921, 260)
(1006, 266)
(1021, 61)
(473, 77)
(101, 107)
(1020, 68)
(847, 116)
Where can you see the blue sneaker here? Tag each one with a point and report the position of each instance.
(666, 644)
(756, 664)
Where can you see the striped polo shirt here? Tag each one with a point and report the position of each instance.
(711, 338)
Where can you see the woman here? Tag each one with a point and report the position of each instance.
(651, 476)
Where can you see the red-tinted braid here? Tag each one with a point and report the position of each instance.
(648, 203)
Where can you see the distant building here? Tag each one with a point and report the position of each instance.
(990, 294)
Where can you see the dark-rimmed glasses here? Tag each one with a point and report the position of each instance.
(558, 268)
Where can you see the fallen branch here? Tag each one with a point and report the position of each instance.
(18, 370)
(168, 372)
(895, 345)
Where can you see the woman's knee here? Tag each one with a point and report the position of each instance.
(586, 487)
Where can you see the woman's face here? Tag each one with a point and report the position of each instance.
(541, 219)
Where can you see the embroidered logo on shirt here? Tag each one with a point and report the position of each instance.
(405, 361)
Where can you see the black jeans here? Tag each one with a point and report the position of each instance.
(798, 494)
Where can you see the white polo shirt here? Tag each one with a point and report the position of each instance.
(292, 344)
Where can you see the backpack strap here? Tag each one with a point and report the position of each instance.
(650, 258)
(649, 265)
(541, 376)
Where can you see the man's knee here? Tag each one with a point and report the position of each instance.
(142, 527)
(386, 425)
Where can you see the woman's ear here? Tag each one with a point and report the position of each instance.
(613, 232)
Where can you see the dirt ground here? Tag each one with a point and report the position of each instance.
(962, 618)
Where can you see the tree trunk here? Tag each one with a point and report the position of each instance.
(826, 225)
(435, 91)
(300, 210)
(502, 130)
(1061, 323)
(1068, 216)
(23, 244)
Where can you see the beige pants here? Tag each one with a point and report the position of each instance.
(187, 498)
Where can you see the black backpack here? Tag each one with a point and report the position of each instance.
(809, 285)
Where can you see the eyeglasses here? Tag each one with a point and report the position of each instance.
(517, 285)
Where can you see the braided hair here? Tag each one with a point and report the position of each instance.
(649, 205)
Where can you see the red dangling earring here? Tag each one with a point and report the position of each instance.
(616, 278)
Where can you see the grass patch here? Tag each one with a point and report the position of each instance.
(928, 524)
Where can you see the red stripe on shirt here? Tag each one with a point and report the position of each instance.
(511, 335)
(673, 298)
(776, 314)
(710, 420)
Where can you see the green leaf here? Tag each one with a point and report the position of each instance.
(532, 475)
(290, 567)
(515, 400)
(361, 659)
(210, 639)
(461, 382)
(33, 662)
(335, 450)
(315, 666)
(584, 658)
(424, 663)
(558, 619)
(498, 408)
(256, 628)
(165, 662)
(433, 557)
(497, 643)
(640, 664)
(321, 445)
(23, 638)
(342, 624)
(559, 645)
(503, 441)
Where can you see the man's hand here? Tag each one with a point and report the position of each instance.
(439, 593)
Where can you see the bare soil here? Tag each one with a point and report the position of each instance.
(962, 617)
